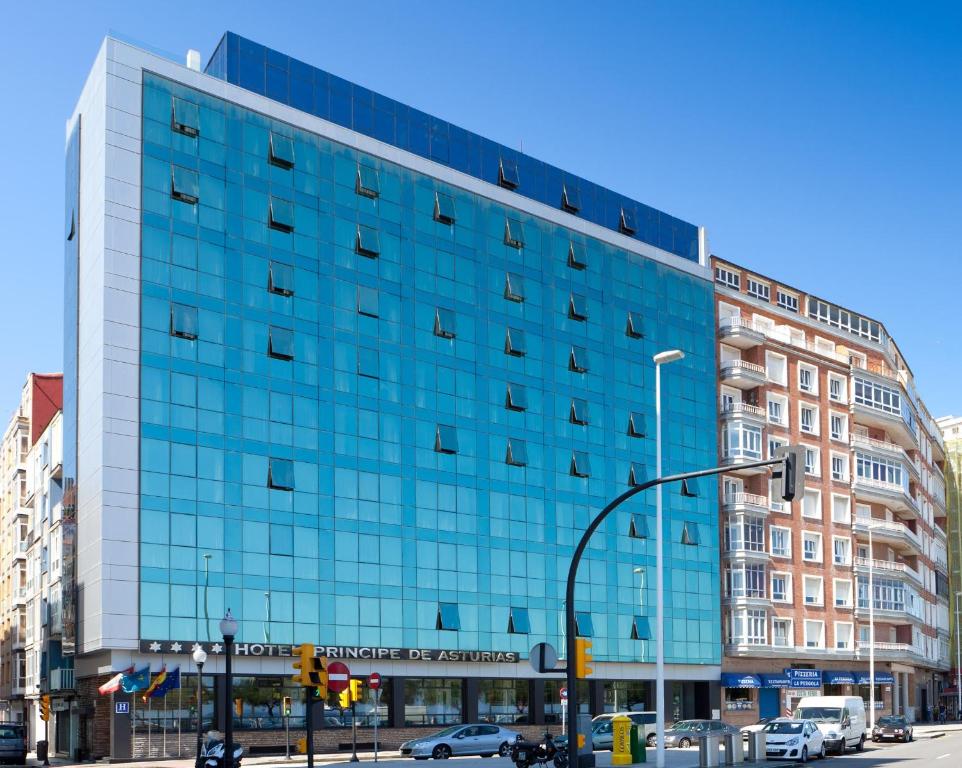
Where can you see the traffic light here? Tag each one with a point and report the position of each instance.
(319, 676)
(793, 457)
(303, 661)
(45, 707)
(302, 745)
(357, 690)
(582, 657)
(344, 699)
(239, 707)
(287, 706)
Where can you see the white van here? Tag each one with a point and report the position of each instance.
(841, 719)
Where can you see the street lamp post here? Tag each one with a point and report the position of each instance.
(228, 628)
(662, 358)
(199, 658)
(958, 662)
(871, 633)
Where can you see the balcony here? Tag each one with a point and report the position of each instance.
(734, 503)
(890, 450)
(898, 652)
(894, 614)
(741, 553)
(891, 495)
(61, 679)
(740, 332)
(903, 432)
(940, 532)
(897, 535)
(887, 568)
(19, 595)
(742, 374)
(743, 411)
(18, 636)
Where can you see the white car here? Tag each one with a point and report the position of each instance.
(793, 739)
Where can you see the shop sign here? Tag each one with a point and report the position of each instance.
(804, 678)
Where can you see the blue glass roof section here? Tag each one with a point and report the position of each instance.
(256, 68)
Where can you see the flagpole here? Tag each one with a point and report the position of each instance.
(149, 728)
(180, 713)
(133, 721)
(165, 725)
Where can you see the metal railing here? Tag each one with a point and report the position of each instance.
(742, 497)
(742, 365)
(889, 567)
(886, 526)
(61, 679)
(752, 410)
(737, 322)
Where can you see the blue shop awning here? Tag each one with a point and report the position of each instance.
(837, 677)
(881, 678)
(735, 680)
(775, 681)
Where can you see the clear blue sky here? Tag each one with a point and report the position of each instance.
(818, 142)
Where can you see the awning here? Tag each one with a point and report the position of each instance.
(775, 681)
(881, 678)
(735, 680)
(838, 677)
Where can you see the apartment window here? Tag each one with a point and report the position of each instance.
(813, 587)
(782, 587)
(517, 453)
(781, 539)
(448, 617)
(280, 474)
(870, 467)
(280, 343)
(578, 360)
(576, 256)
(445, 439)
(634, 329)
(777, 410)
(515, 343)
(776, 367)
(368, 363)
(814, 634)
(516, 398)
(837, 388)
(513, 287)
(840, 467)
(745, 581)
(444, 211)
(183, 321)
(367, 301)
(184, 117)
(889, 593)
(636, 424)
(281, 151)
(774, 444)
(808, 419)
(782, 636)
(281, 215)
(877, 396)
(519, 623)
(812, 504)
(367, 183)
(578, 413)
(812, 547)
(640, 628)
(786, 300)
(577, 307)
(841, 550)
(444, 323)
(627, 223)
(184, 185)
(280, 279)
(508, 173)
(747, 534)
(727, 277)
(813, 461)
(690, 534)
(580, 464)
(367, 243)
(843, 635)
(758, 289)
(584, 627)
(838, 426)
(748, 627)
(741, 441)
(841, 509)
(808, 378)
(843, 593)
(825, 346)
(571, 198)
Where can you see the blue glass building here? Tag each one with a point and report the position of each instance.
(378, 373)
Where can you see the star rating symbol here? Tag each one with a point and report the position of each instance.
(155, 647)
(175, 647)
(216, 648)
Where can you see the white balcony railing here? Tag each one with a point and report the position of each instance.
(741, 497)
(737, 366)
(886, 526)
(888, 566)
(743, 408)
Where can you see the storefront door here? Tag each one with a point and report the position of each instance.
(768, 702)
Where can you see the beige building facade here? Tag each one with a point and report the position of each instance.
(795, 369)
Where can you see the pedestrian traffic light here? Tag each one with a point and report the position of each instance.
(792, 457)
(303, 661)
(45, 707)
(287, 706)
(302, 745)
(582, 657)
(357, 691)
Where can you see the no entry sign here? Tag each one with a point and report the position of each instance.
(374, 681)
(338, 677)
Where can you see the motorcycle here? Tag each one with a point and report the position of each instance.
(525, 754)
(212, 752)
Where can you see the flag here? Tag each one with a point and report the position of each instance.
(158, 680)
(136, 681)
(113, 684)
(170, 682)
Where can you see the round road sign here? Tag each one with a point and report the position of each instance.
(338, 677)
(374, 681)
(564, 694)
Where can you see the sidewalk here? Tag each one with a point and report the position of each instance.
(934, 730)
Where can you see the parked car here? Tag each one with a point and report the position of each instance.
(646, 720)
(756, 727)
(793, 739)
(841, 719)
(894, 727)
(686, 733)
(481, 739)
(13, 743)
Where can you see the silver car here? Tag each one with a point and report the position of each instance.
(481, 739)
(687, 733)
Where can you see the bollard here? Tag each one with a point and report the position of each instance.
(734, 749)
(757, 747)
(708, 752)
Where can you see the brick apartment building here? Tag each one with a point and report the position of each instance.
(794, 369)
